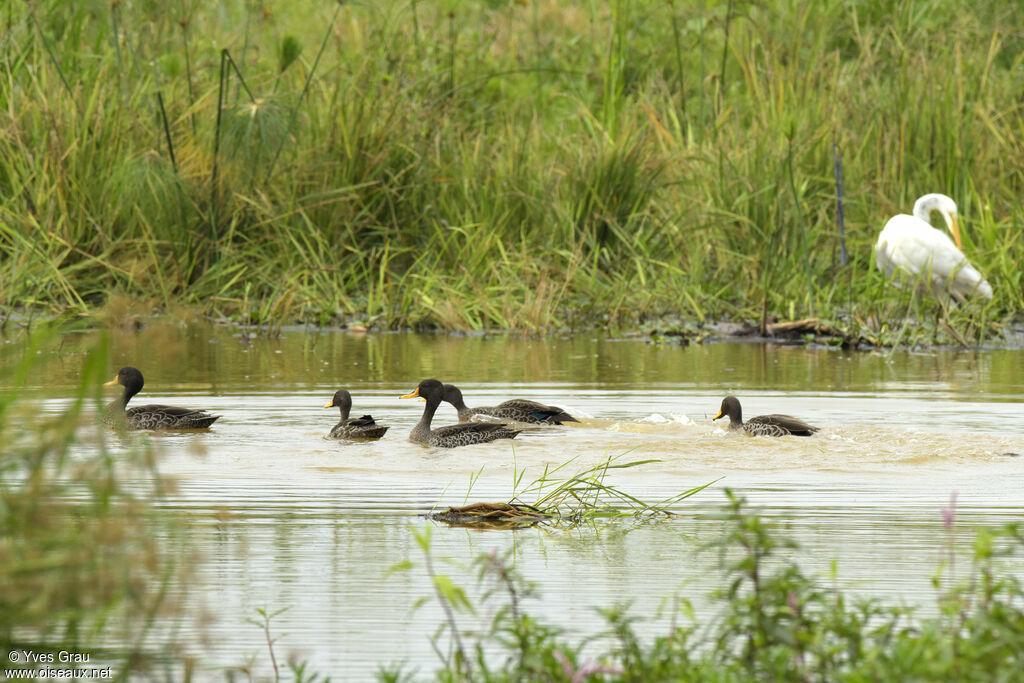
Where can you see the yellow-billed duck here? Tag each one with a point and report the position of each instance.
(763, 425)
(149, 416)
(518, 409)
(352, 428)
(450, 436)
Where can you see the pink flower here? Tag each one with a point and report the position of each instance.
(586, 669)
(949, 511)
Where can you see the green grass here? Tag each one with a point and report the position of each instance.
(476, 165)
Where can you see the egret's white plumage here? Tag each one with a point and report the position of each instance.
(910, 247)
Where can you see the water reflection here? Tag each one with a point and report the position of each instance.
(216, 360)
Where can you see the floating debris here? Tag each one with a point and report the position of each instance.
(492, 516)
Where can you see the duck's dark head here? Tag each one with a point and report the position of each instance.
(342, 399)
(130, 378)
(453, 395)
(427, 389)
(730, 407)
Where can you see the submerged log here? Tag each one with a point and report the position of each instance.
(491, 515)
(797, 328)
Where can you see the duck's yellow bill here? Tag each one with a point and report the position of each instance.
(414, 394)
(329, 405)
(113, 381)
(720, 414)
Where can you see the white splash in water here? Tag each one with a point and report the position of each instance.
(673, 418)
(577, 413)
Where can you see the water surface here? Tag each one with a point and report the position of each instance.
(284, 519)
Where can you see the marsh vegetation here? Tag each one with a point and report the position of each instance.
(85, 558)
(480, 165)
(538, 166)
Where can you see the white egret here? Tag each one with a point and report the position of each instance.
(911, 246)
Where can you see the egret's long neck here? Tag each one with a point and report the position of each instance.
(923, 210)
(924, 206)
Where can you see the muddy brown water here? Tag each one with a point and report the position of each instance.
(284, 519)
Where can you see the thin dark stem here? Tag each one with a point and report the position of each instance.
(270, 646)
(839, 202)
(216, 140)
(241, 78)
(167, 130)
(225, 61)
(53, 58)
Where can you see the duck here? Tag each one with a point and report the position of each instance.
(352, 428)
(451, 436)
(519, 409)
(763, 425)
(150, 416)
